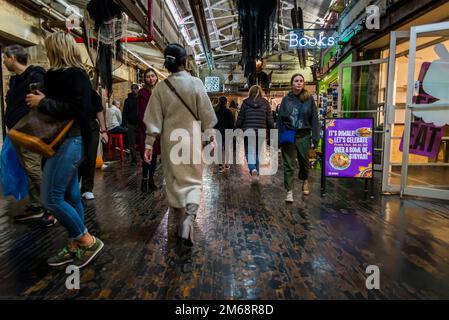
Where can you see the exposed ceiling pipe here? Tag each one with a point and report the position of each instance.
(58, 16)
(197, 9)
(48, 10)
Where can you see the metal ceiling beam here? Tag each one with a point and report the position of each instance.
(135, 12)
(219, 3)
(210, 19)
(197, 9)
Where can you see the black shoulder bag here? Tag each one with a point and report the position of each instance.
(180, 98)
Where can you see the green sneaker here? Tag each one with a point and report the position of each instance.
(84, 255)
(63, 257)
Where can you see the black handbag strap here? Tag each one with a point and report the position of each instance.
(169, 84)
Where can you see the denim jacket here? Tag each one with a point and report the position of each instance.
(296, 115)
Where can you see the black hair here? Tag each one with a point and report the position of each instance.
(134, 86)
(222, 101)
(175, 56)
(18, 52)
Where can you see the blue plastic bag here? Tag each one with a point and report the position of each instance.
(13, 176)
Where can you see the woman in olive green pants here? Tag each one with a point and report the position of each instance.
(299, 113)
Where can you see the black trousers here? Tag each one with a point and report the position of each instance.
(86, 171)
(132, 140)
(148, 170)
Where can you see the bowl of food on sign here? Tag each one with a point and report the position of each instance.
(340, 161)
(364, 132)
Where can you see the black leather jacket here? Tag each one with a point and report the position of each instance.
(296, 115)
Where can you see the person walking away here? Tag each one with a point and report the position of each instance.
(97, 126)
(298, 112)
(255, 113)
(233, 107)
(168, 111)
(225, 121)
(148, 169)
(67, 96)
(129, 120)
(15, 59)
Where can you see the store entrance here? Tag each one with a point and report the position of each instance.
(414, 167)
(427, 106)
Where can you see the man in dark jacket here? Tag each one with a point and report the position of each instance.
(225, 120)
(15, 59)
(130, 120)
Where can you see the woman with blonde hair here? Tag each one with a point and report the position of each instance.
(255, 113)
(299, 115)
(67, 96)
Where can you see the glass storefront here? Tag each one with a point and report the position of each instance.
(420, 104)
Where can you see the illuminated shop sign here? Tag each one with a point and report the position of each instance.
(212, 84)
(310, 39)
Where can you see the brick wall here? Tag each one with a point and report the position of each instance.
(120, 91)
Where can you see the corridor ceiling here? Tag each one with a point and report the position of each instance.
(222, 24)
(223, 31)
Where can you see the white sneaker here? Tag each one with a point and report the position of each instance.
(254, 174)
(289, 197)
(88, 195)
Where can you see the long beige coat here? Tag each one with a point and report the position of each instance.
(165, 113)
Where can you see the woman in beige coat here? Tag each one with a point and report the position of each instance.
(166, 112)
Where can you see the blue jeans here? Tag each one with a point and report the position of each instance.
(252, 154)
(60, 192)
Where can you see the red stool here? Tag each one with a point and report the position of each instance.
(116, 140)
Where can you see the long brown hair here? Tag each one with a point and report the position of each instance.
(304, 95)
(147, 85)
(255, 92)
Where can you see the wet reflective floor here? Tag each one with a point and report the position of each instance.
(250, 244)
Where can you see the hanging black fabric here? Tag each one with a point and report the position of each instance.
(256, 18)
(102, 11)
(107, 17)
(104, 66)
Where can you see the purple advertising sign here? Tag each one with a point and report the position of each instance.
(349, 148)
(425, 139)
